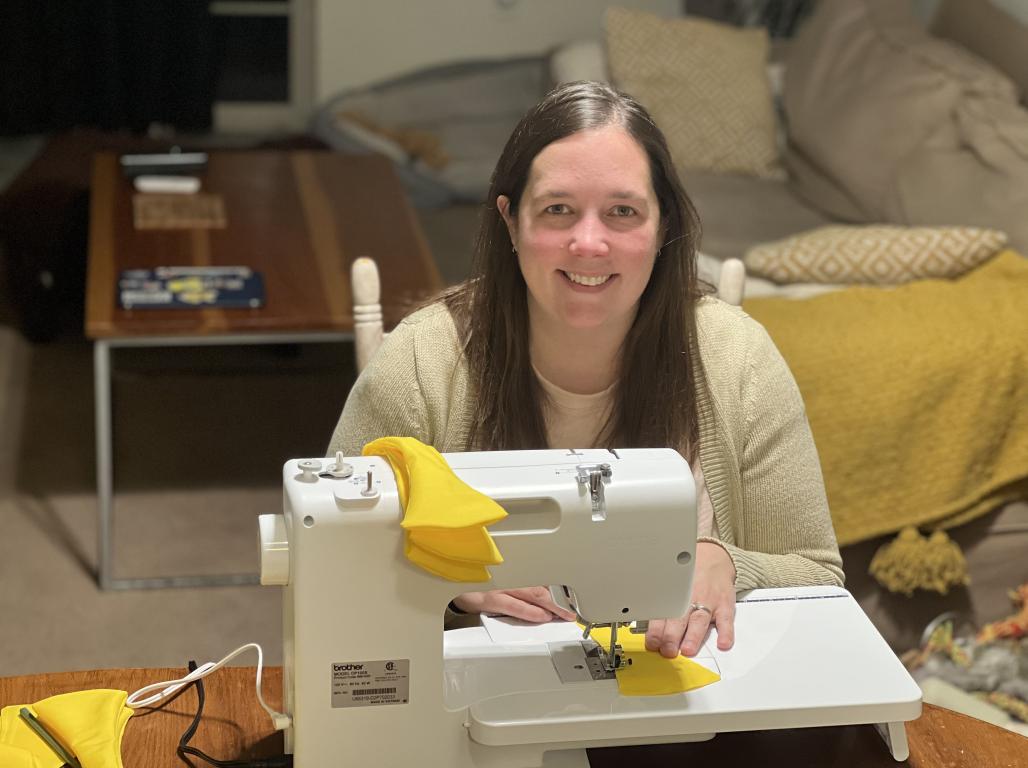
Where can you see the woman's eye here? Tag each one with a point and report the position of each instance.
(624, 210)
(557, 208)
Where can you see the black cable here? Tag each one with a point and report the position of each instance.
(183, 749)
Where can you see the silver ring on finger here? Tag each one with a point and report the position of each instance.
(701, 607)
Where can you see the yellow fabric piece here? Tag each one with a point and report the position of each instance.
(649, 673)
(444, 518)
(916, 395)
(452, 570)
(89, 723)
(13, 757)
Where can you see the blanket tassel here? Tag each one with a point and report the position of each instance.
(912, 561)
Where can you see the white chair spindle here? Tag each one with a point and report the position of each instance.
(367, 309)
(732, 282)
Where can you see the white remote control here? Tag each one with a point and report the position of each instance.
(180, 185)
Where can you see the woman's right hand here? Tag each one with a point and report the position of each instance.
(528, 604)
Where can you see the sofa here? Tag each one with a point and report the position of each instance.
(861, 119)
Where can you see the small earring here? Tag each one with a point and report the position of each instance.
(513, 249)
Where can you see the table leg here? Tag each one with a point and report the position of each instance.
(895, 736)
(104, 458)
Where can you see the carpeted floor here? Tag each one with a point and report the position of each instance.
(198, 456)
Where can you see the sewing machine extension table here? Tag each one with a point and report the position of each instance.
(234, 726)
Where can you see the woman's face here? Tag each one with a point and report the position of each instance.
(586, 231)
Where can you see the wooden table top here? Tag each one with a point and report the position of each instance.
(299, 218)
(235, 727)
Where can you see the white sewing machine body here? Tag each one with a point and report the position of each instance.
(370, 678)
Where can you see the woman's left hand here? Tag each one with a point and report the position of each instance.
(713, 600)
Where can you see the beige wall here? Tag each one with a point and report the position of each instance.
(361, 41)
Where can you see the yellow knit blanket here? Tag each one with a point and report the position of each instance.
(917, 395)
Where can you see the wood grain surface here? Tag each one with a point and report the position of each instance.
(946, 738)
(298, 218)
(234, 726)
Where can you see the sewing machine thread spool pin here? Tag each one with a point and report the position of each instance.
(369, 490)
(339, 469)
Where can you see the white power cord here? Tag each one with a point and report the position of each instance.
(169, 688)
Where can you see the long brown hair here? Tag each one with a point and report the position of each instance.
(654, 400)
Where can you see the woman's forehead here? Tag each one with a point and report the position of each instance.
(606, 159)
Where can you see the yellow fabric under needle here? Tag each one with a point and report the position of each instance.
(649, 673)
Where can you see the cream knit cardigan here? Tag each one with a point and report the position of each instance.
(756, 449)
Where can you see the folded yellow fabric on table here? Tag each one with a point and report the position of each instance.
(89, 723)
(444, 518)
(13, 757)
(916, 395)
(649, 673)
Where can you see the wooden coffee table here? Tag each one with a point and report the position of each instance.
(298, 218)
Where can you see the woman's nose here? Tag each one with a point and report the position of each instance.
(588, 237)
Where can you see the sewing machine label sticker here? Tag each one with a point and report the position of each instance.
(370, 683)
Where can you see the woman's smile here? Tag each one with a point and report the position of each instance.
(583, 282)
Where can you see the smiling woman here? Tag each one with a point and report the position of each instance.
(583, 325)
(584, 189)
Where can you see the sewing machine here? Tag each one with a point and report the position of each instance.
(370, 678)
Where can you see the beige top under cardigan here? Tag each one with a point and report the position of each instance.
(756, 451)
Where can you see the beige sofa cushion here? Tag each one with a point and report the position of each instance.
(852, 126)
(881, 255)
(888, 124)
(705, 84)
(990, 32)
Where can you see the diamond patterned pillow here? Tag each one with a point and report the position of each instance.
(881, 255)
(705, 84)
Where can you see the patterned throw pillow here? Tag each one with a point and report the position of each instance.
(881, 255)
(705, 84)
